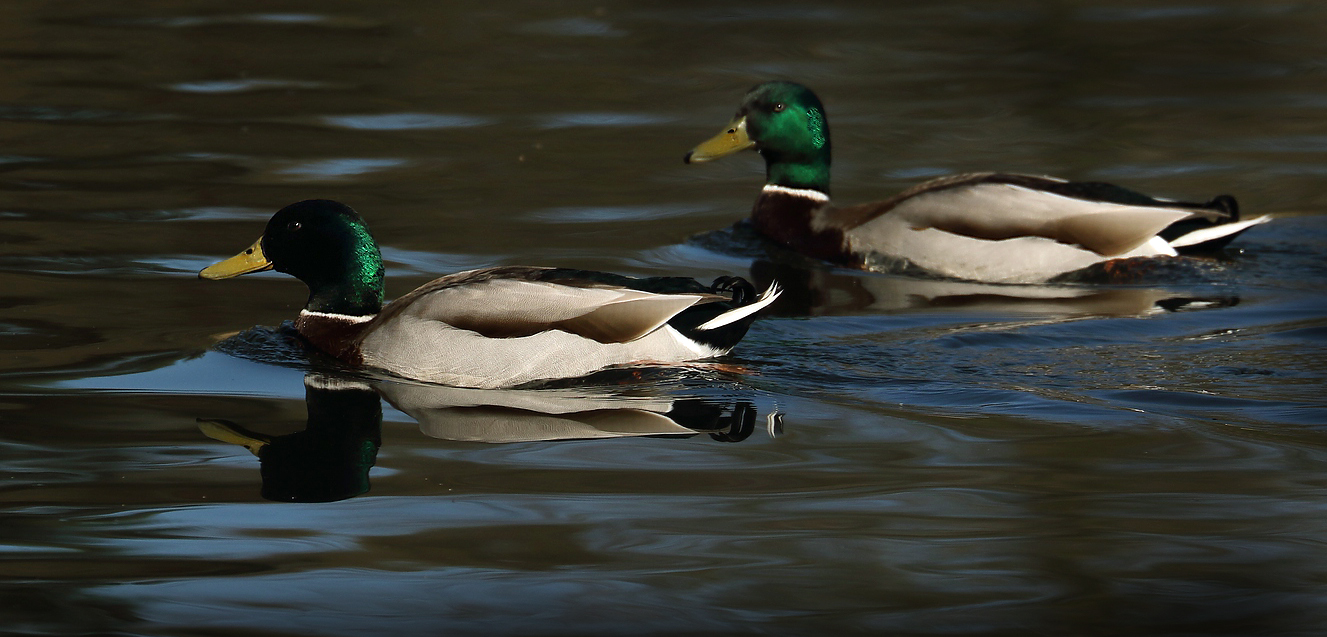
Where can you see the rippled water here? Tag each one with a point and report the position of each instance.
(881, 455)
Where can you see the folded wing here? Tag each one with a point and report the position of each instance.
(995, 211)
(513, 307)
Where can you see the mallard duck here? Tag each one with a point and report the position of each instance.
(992, 227)
(492, 327)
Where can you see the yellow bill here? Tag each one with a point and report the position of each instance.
(251, 260)
(731, 140)
(230, 433)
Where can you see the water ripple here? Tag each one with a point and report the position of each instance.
(607, 120)
(203, 213)
(1287, 144)
(578, 26)
(249, 85)
(599, 214)
(405, 121)
(1101, 14)
(339, 167)
(402, 262)
(258, 19)
(23, 112)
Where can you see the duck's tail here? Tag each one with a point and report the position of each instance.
(1216, 224)
(1214, 237)
(743, 311)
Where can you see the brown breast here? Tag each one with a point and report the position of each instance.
(802, 224)
(334, 334)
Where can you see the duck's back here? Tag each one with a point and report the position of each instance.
(501, 327)
(1012, 228)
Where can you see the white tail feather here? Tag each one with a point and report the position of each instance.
(1216, 232)
(737, 314)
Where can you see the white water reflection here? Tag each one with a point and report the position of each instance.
(340, 167)
(405, 121)
(578, 26)
(607, 120)
(248, 85)
(250, 19)
(600, 214)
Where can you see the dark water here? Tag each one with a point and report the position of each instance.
(952, 459)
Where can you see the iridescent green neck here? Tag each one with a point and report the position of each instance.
(797, 151)
(351, 283)
(352, 298)
(812, 175)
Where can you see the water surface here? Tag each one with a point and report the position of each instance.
(951, 459)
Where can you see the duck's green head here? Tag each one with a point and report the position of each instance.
(326, 245)
(785, 122)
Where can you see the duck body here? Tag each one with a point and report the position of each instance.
(492, 327)
(990, 227)
(511, 325)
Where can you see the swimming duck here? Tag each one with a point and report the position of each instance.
(992, 227)
(492, 327)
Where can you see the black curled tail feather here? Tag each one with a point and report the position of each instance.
(1225, 204)
(741, 292)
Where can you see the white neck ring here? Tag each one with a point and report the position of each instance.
(804, 193)
(345, 318)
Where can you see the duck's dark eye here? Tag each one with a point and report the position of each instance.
(778, 108)
(294, 225)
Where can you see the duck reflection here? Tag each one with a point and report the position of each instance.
(330, 459)
(496, 416)
(816, 291)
